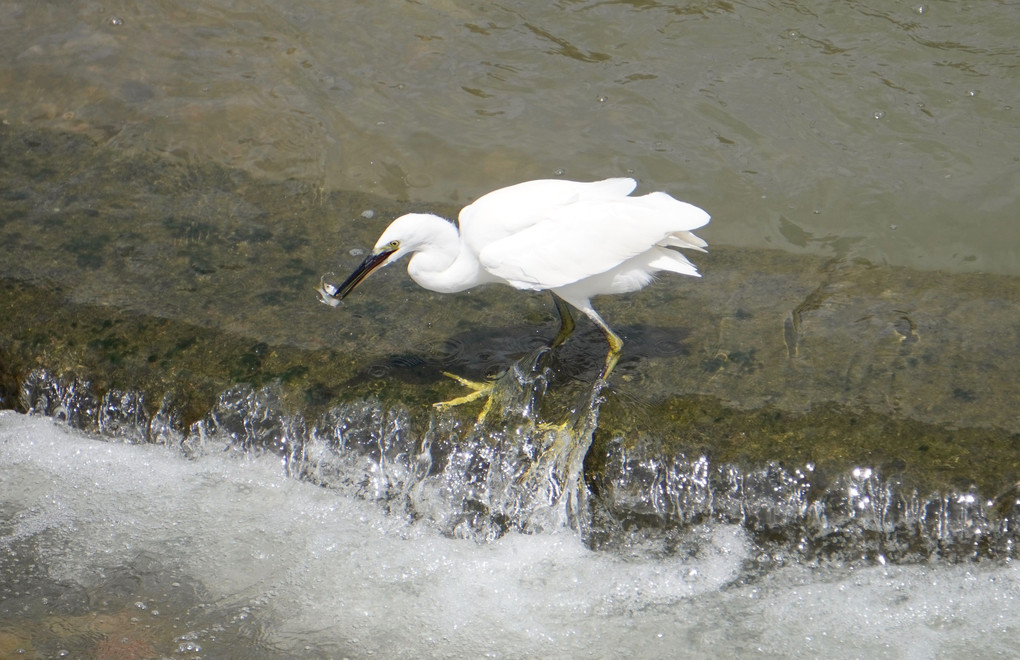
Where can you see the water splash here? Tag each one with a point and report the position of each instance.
(481, 481)
(795, 514)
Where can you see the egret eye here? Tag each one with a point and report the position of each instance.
(394, 244)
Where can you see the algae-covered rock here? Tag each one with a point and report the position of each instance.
(137, 273)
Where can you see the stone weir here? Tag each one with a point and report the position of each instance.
(833, 407)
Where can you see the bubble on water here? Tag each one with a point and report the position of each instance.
(972, 92)
(378, 371)
(601, 99)
(559, 171)
(356, 252)
(116, 20)
(368, 213)
(878, 114)
(920, 9)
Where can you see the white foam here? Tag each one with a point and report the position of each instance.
(336, 572)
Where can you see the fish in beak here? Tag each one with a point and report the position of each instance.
(332, 295)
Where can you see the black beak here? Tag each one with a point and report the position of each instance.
(370, 263)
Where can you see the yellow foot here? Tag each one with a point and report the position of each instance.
(561, 441)
(480, 389)
(559, 429)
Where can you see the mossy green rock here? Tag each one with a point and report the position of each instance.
(138, 272)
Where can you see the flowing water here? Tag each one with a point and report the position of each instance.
(885, 130)
(259, 534)
(811, 452)
(137, 551)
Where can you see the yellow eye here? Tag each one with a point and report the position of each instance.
(394, 244)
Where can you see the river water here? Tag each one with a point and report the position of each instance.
(884, 130)
(816, 456)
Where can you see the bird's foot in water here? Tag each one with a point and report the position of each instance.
(564, 445)
(514, 391)
(562, 450)
(480, 389)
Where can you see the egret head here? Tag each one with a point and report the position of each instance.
(405, 235)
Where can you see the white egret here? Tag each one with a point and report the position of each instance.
(574, 239)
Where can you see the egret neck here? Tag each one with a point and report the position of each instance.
(440, 262)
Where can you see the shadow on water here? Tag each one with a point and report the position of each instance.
(487, 352)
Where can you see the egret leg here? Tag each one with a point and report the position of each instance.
(615, 343)
(566, 321)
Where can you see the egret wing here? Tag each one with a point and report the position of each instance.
(507, 211)
(584, 239)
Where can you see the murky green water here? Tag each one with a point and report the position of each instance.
(877, 130)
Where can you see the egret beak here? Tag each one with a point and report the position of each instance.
(370, 263)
